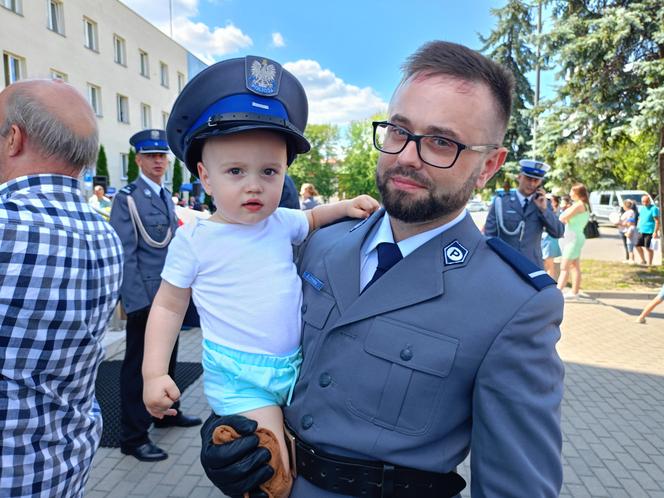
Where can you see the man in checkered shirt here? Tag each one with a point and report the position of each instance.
(60, 274)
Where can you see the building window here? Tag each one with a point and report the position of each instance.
(164, 119)
(123, 109)
(58, 75)
(180, 82)
(120, 50)
(13, 5)
(56, 18)
(163, 71)
(14, 68)
(124, 164)
(91, 39)
(94, 97)
(145, 64)
(146, 116)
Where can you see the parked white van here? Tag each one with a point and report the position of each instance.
(606, 204)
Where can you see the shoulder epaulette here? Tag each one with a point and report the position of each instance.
(526, 269)
(128, 189)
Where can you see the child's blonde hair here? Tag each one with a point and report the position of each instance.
(308, 188)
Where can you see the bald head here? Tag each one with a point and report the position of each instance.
(46, 124)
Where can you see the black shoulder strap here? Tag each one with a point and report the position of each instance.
(526, 269)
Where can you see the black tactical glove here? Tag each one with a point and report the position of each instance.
(239, 466)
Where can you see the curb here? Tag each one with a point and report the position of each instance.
(606, 294)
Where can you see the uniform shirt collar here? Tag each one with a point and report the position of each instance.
(522, 197)
(154, 186)
(384, 234)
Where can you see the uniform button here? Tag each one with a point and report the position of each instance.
(406, 354)
(306, 422)
(325, 380)
(304, 308)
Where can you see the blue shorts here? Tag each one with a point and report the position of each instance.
(236, 381)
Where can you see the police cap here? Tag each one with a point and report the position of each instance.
(236, 95)
(534, 169)
(150, 142)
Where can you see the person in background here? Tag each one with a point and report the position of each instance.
(308, 193)
(575, 218)
(627, 229)
(648, 228)
(550, 245)
(61, 269)
(98, 199)
(651, 306)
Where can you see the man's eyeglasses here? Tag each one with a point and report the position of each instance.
(439, 152)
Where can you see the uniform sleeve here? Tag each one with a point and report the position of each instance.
(516, 437)
(132, 283)
(181, 265)
(552, 224)
(295, 221)
(490, 227)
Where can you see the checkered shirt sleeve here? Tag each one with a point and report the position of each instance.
(60, 275)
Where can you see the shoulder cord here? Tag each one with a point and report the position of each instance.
(498, 208)
(137, 223)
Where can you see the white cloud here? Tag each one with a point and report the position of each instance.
(278, 40)
(207, 43)
(331, 100)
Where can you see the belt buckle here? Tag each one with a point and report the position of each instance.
(292, 454)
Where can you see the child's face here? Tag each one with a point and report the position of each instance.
(244, 173)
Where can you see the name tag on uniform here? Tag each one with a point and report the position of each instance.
(313, 280)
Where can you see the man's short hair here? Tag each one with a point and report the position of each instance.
(458, 61)
(48, 134)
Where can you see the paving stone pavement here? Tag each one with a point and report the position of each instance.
(613, 415)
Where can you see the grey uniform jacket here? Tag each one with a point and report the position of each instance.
(431, 361)
(535, 221)
(143, 263)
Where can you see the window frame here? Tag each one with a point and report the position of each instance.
(56, 23)
(146, 116)
(20, 66)
(181, 81)
(56, 74)
(163, 74)
(91, 43)
(144, 62)
(124, 165)
(96, 102)
(15, 6)
(119, 56)
(122, 110)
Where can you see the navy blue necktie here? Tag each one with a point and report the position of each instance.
(162, 194)
(525, 204)
(388, 256)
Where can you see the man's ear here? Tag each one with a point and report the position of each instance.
(491, 165)
(204, 177)
(15, 141)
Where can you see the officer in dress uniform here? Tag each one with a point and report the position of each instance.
(518, 218)
(422, 340)
(143, 215)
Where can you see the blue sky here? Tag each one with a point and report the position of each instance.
(347, 53)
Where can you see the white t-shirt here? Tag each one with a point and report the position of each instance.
(243, 279)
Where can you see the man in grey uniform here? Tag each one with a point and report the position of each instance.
(519, 218)
(143, 215)
(422, 340)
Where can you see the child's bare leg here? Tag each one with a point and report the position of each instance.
(271, 418)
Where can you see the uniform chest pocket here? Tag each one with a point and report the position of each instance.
(404, 372)
(316, 308)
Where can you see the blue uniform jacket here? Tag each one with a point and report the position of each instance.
(530, 244)
(432, 361)
(143, 264)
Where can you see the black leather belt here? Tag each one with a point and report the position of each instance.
(349, 476)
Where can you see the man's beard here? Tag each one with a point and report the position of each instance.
(434, 206)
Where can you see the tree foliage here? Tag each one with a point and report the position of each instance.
(177, 175)
(102, 163)
(357, 174)
(511, 43)
(132, 166)
(318, 166)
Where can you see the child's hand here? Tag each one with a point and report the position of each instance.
(159, 394)
(361, 206)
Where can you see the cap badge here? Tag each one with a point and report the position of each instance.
(262, 76)
(154, 134)
(455, 253)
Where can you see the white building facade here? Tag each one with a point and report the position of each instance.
(129, 70)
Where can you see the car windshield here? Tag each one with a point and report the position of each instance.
(632, 197)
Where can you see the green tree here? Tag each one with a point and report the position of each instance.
(177, 175)
(102, 163)
(358, 171)
(611, 59)
(510, 43)
(318, 166)
(132, 167)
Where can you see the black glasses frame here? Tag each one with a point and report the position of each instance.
(417, 138)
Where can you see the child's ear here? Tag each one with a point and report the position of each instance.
(204, 177)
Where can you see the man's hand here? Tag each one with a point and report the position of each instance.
(361, 206)
(159, 394)
(238, 466)
(540, 199)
